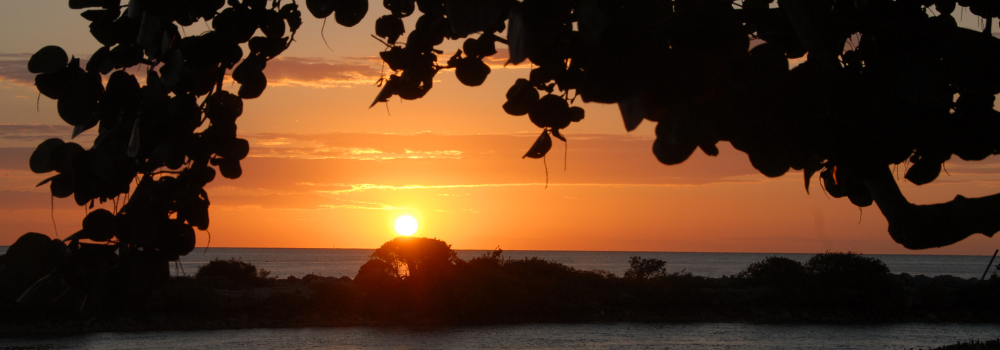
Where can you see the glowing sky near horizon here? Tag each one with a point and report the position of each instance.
(327, 171)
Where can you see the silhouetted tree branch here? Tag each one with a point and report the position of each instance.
(937, 225)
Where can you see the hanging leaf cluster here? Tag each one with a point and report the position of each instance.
(169, 136)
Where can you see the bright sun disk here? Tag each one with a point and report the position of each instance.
(406, 225)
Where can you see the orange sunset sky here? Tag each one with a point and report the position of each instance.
(327, 172)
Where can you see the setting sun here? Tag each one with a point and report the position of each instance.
(406, 225)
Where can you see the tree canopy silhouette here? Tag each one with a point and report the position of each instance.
(885, 83)
(409, 257)
(910, 87)
(152, 135)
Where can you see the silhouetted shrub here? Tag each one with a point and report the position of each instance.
(850, 281)
(640, 268)
(232, 273)
(774, 271)
(846, 268)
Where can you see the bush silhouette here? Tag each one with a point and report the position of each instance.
(774, 271)
(232, 273)
(846, 268)
(639, 268)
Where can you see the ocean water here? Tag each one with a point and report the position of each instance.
(284, 262)
(540, 336)
(345, 262)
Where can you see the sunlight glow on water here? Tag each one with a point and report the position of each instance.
(541, 336)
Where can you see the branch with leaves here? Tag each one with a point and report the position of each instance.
(886, 82)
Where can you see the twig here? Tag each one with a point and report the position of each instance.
(52, 214)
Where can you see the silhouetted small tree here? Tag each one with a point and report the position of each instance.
(639, 268)
(411, 257)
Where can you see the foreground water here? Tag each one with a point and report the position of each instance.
(540, 336)
(345, 262)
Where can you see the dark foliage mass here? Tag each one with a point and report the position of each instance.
(157, 144)
(887, 83)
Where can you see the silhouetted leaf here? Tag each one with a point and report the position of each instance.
(859, 195)
(54, 85)
(807, 174)
(576, 114)
(62, 156)
(517, 35)
(99, 225)
(47, 180)
(670, 154)
(400, 8)
(551, 111)
(224, 107)
(923, 172)
(351, 12)
(62, 185)
(389, 27)
(230, 169)
(76, 106)
(558, 135)
(235, 149)
(832, 184)
(253, 85)
(41, 159)
(274, 25)
(48, 60)
(471, 71)
(521, 97)
(709, 148)
(322, 8)
(100, 61)
(771, 163)
(541, 146)
(634, 109)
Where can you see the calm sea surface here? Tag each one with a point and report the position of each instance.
(345, 262)
(539, 336)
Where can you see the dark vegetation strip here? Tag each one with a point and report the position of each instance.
(419, 281)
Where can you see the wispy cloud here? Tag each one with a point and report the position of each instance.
(33, 132)
(320, 73)
(16, 71)
(332, 146)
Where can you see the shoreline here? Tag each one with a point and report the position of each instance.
(260, 307)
